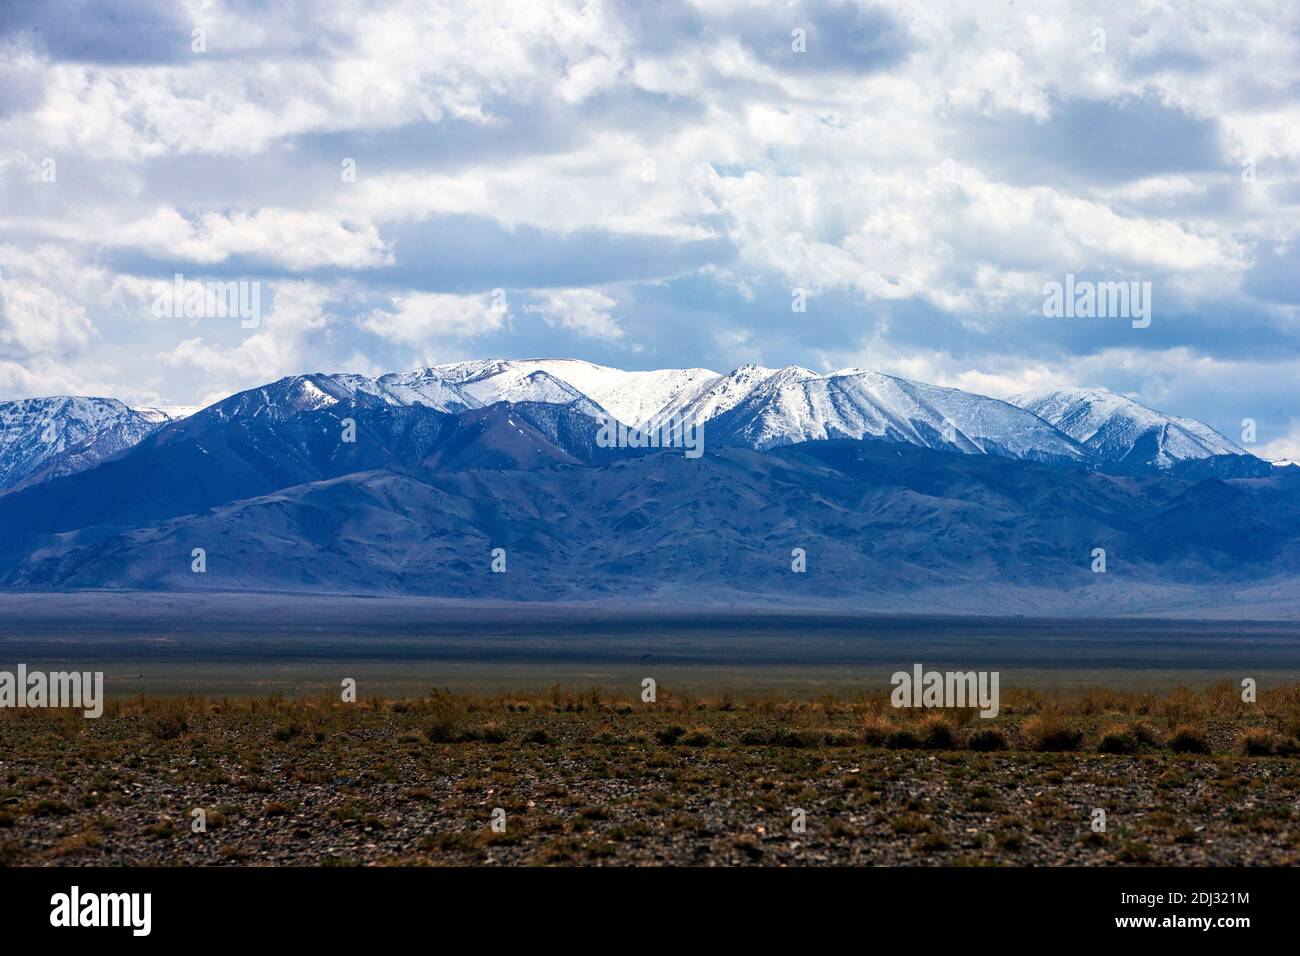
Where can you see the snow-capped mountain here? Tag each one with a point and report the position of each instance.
(764, 408)
(449, 462)
(486, 383)
(761, 407)
(283, 399)
(753, 407)
(720, 394)
(633, 398)
(1120, 430)
(162, 414)
(46, 437)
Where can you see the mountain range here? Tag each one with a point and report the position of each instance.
(894, 490)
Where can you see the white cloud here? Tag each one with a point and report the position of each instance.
(275, 349)
(419, 318)
(296, 240)
(544, 115)
(40, 311)
(585, 311)
(36, 319)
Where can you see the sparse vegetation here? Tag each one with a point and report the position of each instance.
(987, 740)
(1188, 740)
(1051, 734)
(586, 776)
(1118, 740)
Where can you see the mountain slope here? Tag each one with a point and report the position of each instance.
(43, 438)
(1122, 431)
(795, 405)
(753, 406)
(162, 414)
(874, 518)
(633, 398)
(288, 433)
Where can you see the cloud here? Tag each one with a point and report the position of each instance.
(585, 311)
(650, 185)
(40, 311)
(836, 37)
(419, 318)
(1096, 141)
(35, 320)
(294, 240)
(126, 32)
(229, 358)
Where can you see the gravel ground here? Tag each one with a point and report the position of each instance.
(374, 785)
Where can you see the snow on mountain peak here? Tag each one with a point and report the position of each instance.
(162, 414)
(46, 437)
(1120, 429)
(752, 405)
(794, 405)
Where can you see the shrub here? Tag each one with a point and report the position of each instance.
(51, 808)
(874, 730)
(1118, 740)
(1258, 743)
(912, 823)
(1009, 841)
(1187, 740)
(670, 735)
(987, 740)
(286, 732)
(939, 736)
(796, 738)
(536, 736)
(170, 726)
(1134, 853)
(1145, 736)
(441, 731)
(902, 740)
(697, 738)
(935, 841)
(1052, 735)
(445, 718)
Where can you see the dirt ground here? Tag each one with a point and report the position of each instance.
(575, 778)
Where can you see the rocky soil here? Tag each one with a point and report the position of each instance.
(384, 783)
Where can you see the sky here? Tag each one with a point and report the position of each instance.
(655, 185)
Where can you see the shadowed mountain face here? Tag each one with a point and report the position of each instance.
(241, 448)
(406, 485)
(752, 407)
(417, 503)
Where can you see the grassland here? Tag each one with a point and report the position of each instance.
(586, 777)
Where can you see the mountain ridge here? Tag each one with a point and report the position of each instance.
(752, 405)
